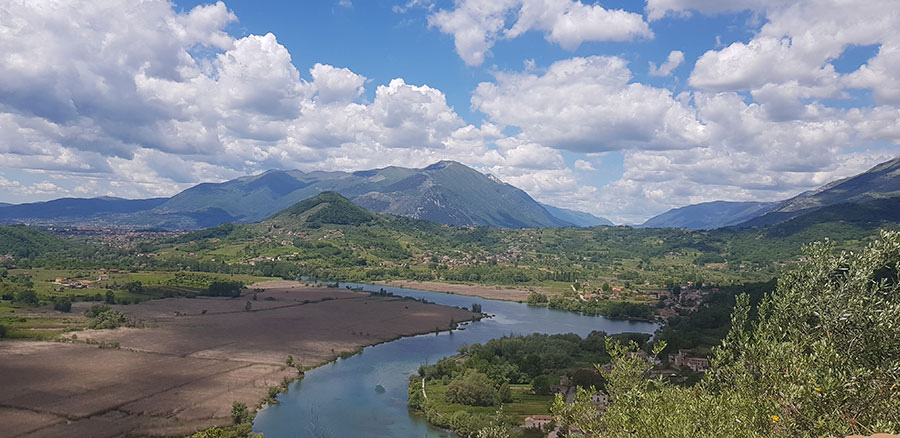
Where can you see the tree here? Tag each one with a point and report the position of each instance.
(110, 297)
(473, 389)
(240, 414)
(63, 304)
(821, 360)
(536, 298)
(28, 297)
(541, 385)
(134, 287)
(224, 289)
(2, 331)
(476, 308)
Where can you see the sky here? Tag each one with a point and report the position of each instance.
(621, 108)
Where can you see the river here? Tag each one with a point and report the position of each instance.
(340, 399)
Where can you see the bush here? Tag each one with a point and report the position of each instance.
(27, 297)
(2, 331)
(224, 289)
(134, 287)
(536, 298)
(473, 389)
(240, 414)
(63, 304)
(105, 318)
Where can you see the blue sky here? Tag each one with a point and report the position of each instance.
(762, 99)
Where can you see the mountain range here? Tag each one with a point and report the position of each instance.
(868, 190)
(446, 192)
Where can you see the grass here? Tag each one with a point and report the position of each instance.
(524, 403)
(39, 328)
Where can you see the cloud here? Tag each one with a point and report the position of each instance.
(676, 57)
(477, 24)
(584, 166)
(147, 101)
(336, 84)
(589, 105)
(657, 9)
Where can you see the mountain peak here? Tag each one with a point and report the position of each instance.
(325, 208)
(443, 164)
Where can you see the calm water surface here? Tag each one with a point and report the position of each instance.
(339, 400)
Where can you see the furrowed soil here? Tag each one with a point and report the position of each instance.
(502, 293)
(192, 359)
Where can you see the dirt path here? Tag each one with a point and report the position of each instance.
(198, 356)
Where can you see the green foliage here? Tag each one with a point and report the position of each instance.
(28, 297)
(473, 389)
(537, 298)
(609, 309)
(328, 208)
(224, 289)
(103, 317)
(63, 304)
(708, 325)
(27, 242)
(243, 430)
(821, 360)
(2, 331)
(240, 414)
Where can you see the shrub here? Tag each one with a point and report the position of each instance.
(240, 414)
(27, 297)
(63, 304)
(473, 389)
(224, 289)
(105, 318)
(2, 331)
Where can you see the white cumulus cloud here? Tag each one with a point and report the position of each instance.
(477, 24)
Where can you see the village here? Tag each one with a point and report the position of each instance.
(677, 364)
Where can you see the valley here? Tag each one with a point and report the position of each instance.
(182, 362)
(245, 309)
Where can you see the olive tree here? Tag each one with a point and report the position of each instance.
(822, 359)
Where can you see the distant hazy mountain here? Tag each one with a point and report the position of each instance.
(708, 215)
(76, 209)
(446, 192)
(879, 182)
(577, 218)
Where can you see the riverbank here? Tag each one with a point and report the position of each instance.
(497, 292)
(195, 358)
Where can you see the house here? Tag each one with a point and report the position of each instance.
(103, 277)
(538, 421)
(697, 364)
(684, 359)
(60, 280)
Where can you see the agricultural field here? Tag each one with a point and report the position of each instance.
(182, 362)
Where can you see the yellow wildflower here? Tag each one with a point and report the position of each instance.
(775, 418)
